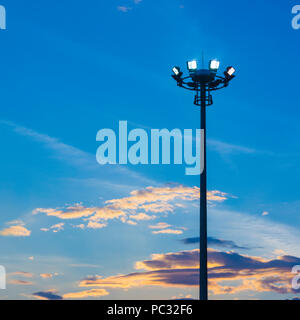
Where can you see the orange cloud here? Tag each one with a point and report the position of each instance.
(21, 282)
(15, 231)
(22, 274)
(160, 225)
(181, 269)
(46, 275)
(86, 294)
(127, 209)
(163, 228)
(142, 216)
(167, 231)
(96, 225)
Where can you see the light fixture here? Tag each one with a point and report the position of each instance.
(192, 65)
(176, 71)
(229, 72)
(214, 65)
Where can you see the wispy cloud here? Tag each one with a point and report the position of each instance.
(22, 274)
(76, 157)
(164, 228)
(55, 228)
(96, 225)
(123, 8)
(167, 231)
(53, 294)
(227, 148)
(142, 216)
(160, 225)
(61, 150)
(141, 205)
(261, 234)
(94, 293)
(46, 275)
(214, 242)
(21, 282)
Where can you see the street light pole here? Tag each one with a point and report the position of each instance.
(203, 199)
(203, 81)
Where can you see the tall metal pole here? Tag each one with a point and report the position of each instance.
(203, 81)
(203, 200)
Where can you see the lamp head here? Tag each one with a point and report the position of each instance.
(177, 72)
(229, 73)
(214, 65)
(192, 65)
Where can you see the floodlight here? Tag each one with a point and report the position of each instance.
(214, 65)
(192, 65)
(229, 72)
(176, 71)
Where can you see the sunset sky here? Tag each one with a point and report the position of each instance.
(73, 229)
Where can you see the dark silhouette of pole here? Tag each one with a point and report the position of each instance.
(203, 82)
(203, 200)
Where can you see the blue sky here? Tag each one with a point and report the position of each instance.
(71, 69)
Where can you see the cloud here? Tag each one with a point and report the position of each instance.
(181, 269)
(137, 1)
(96, 225)
(160, 199)
(163, 228)
(265, 213)
(123, 9)
(160, 225)
(22, 274)
(61, 150)
(15, 231)
(55, 228)
(79, 211)
(167, 231)
(79, 226)
(16, 222)
(86, 294)
(21, 282)
(46, 275)
(76, 157)
(133, 223)
(183, 297)
(163, 278)
(31, 258)
(215, 242)
(141, 205)
(261, 234)
(172, 260)
(227, 148)
(47, 295)
(142, 216)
